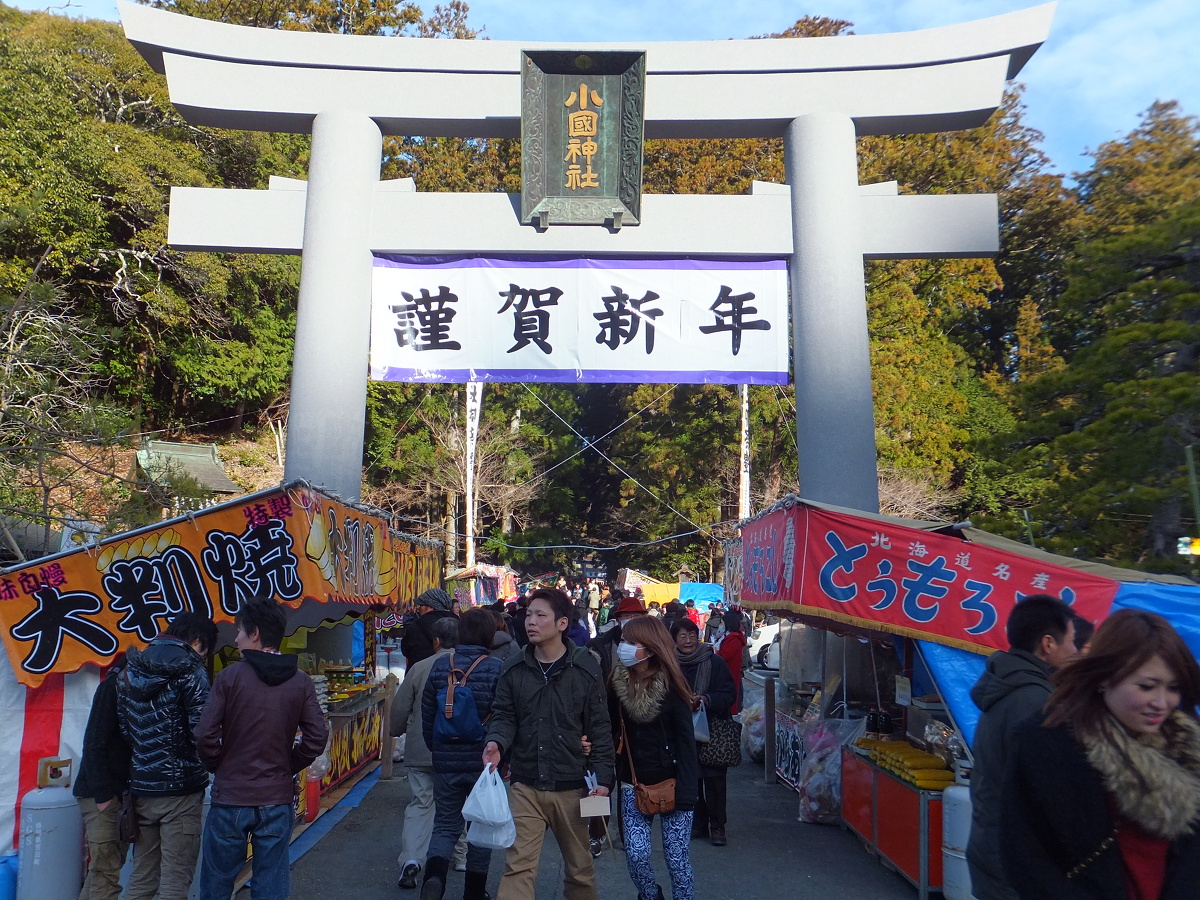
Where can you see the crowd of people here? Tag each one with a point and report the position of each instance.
(1086, 779)
(156, 731)
(577, 700)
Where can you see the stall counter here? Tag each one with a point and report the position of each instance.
(356, 735)
(901, 822)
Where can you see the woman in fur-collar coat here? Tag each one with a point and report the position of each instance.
(1103, 797)
(658, 743)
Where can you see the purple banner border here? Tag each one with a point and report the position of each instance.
(707, 263)
(575, 376)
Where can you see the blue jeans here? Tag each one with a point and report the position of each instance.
(226, 831)
(450, 792)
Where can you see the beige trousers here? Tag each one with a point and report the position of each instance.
(168, 844)
(533, 812)
(105, 848)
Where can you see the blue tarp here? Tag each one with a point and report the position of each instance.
(703, 593)
(1179, 604)
(956, 671)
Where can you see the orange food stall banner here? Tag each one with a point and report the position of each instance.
(901, 580)
(293, 542)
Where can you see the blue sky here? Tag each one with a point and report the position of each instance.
(1105, 61)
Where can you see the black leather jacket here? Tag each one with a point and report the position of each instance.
(159, 700)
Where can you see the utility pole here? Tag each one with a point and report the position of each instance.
(474, 408)
(1189, 453)
(744, 477)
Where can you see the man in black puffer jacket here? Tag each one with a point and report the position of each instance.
(458, 760)
(159, 700)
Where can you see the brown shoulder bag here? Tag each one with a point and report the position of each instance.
(650, 799)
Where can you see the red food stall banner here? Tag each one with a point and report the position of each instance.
(293, 542)
(902, 580)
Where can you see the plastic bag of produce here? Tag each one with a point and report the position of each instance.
(753, 730)
(820, 783)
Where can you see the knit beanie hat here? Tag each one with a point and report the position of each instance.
(435, 598)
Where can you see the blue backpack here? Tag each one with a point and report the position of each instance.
(458, 721)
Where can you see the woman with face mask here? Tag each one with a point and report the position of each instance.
(655, 707)
(1103, 799)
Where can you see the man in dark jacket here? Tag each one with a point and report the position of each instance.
(103, 777)
(247, 736)
(417, 642)
(548, 702)
(1013, 688)
(456, 757)
(518, 621)
(159, 700)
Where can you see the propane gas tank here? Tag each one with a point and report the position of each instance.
(956, 828)
(51, 855)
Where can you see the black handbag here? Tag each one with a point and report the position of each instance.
(127, 819)
(724, 747)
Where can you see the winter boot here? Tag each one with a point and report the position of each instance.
(476, 887)
(434, 885)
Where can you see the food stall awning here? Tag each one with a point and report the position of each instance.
(312, 551)
(949, 587)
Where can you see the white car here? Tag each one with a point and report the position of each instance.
(764, 645)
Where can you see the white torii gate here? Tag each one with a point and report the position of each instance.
(818, 93)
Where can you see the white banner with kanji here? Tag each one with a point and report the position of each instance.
(458, 319)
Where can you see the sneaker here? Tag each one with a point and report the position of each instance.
(597, 846)
(718, 836)
(409, 874)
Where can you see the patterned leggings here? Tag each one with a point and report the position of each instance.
(677, 835)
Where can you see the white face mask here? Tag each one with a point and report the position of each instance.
(627, 653)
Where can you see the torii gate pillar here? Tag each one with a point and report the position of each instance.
(334, 308)
(835, 422)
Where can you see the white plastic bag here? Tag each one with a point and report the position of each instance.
(700, 724)
(492, 837)
(487, 803)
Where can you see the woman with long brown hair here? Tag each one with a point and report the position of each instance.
(1103, 799)
(655, 708)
